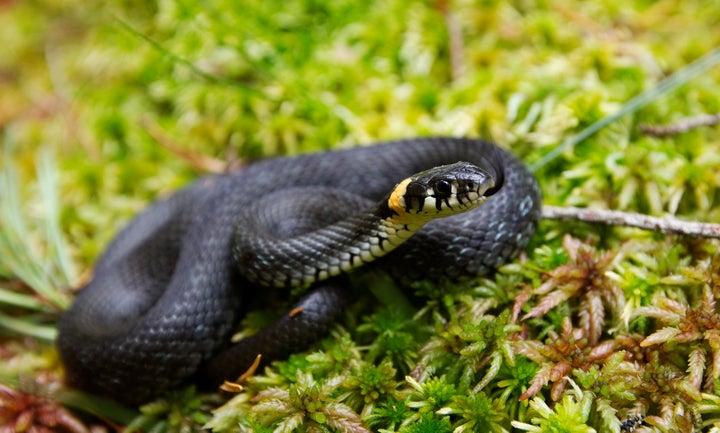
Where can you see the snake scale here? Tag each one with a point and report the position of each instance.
(168, 292)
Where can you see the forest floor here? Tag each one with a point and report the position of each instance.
(108, 106)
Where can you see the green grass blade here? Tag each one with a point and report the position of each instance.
(58, 249)
(177, 59)
(104, 408)
(19, 249)
(25, 326)
(21, 300)
(667, 85)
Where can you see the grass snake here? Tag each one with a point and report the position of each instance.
(168, 292)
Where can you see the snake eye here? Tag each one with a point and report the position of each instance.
(443, 187)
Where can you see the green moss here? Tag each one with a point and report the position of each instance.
(106, 108)
(428, 424)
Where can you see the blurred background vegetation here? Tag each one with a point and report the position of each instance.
(106, 106)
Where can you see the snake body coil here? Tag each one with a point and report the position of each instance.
(168, 292)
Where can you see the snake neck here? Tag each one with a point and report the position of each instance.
(269, 253)
(342, 246)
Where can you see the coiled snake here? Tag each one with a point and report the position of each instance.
(167, 293)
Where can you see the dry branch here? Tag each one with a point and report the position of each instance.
(456, 44)
(682, 125)
(629, 219)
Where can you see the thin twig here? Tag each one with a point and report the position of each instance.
(199, 162)
(456, 45)
(682, 125)
(182, 61)
(629, 219)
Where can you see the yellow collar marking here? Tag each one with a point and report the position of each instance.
(396, 202)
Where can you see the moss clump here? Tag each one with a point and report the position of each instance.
(594, 328)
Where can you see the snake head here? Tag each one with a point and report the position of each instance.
(443, 191)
